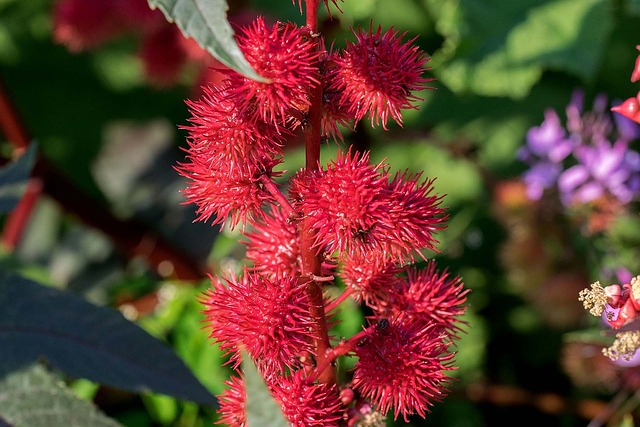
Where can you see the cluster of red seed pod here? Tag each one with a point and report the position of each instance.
(363, 223)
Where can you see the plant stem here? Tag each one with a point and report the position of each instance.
(272, 188)
(336, 302)
(311, 262)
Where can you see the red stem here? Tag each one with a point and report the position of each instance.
(336, 302)
(272, 188)
(311, 261)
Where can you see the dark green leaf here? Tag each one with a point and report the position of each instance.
(206, 22)
(262, 410)
(34, 397)
(87, 341)
(504, 46)
(13, 179)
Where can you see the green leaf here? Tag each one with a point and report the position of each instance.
(504, 46)
(87, 341)
(13, 178)
(206, 22)
(262, 410)
(33, 397)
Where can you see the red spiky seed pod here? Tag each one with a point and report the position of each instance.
(224, 131)
(230, 197)
(285, 55)
(306, 403)
(372, 277)
(401, 366)
(269, 318)
(346, 205)
(377, 75)
(273, 245)
(415, 215)
(430, 296)
(233, 400)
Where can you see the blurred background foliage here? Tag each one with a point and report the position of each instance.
(497, 64)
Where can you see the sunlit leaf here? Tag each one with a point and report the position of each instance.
(262, 410)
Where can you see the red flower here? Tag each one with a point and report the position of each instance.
(267, 317)
(401, 366)
(376, 75)
(308, 404)
(430, 296)
(287, 56)
(233, 400)
(273, 245)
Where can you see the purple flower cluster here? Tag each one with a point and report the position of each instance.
(585, 160)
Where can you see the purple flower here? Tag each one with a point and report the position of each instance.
(601, 169)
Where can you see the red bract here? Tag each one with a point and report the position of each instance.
(308, 404)
(224, 131)
(430, 296)
(274, 246)
(376, 75)
(401, 366)
(233, 411)
(347, 204)
(267, 317)
(286, 56)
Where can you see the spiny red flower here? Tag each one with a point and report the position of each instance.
(430, 296)
(274, 246)
(376, 75)
(287, 56)
(224, 130)
(372, 277)
(401, 366)
(308, 404)
(267, 317)
(233, 400)
(346, 204)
